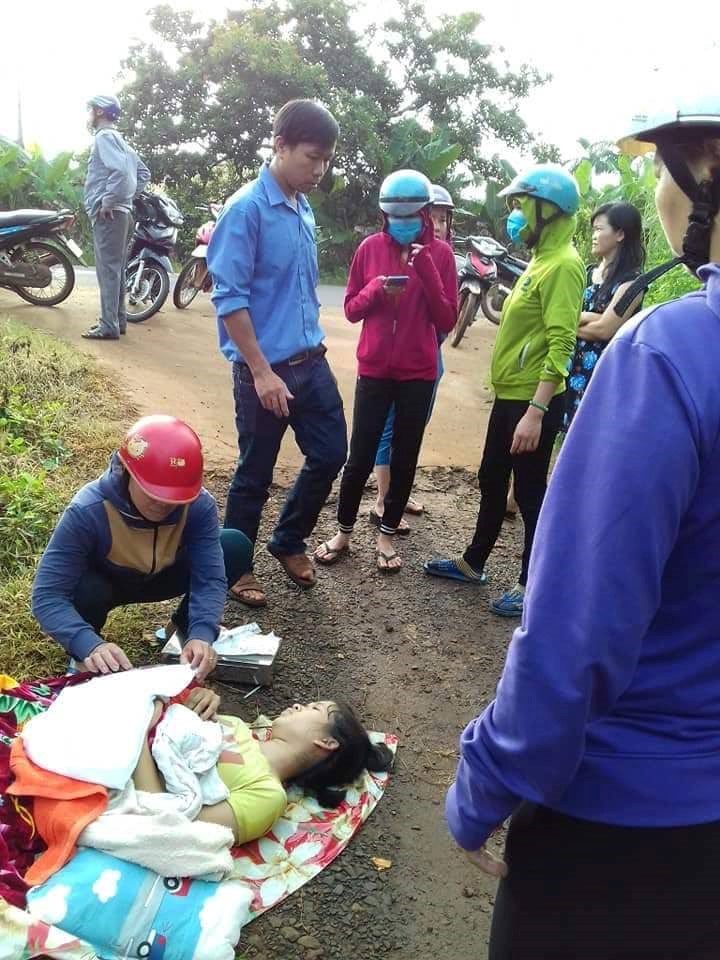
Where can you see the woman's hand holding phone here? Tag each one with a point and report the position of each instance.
(394, 286)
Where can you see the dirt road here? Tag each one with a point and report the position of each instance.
(171, 364)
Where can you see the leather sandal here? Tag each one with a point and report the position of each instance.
(297, 566)
(246, 585)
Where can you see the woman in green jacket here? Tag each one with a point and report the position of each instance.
(529, 364)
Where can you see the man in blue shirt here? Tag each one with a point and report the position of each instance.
(263, 260)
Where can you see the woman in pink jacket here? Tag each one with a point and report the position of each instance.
(403, 287)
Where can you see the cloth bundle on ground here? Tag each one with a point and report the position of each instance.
(72, 805)
(299, 845)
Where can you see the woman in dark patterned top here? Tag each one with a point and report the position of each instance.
(617, 240)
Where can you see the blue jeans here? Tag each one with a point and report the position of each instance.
(384, 450)
(318, 422)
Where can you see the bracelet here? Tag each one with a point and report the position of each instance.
(538, 406)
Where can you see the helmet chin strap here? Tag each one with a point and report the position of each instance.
(705, 200)
(540, 223)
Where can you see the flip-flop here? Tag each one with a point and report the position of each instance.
(413, 510)
(387, 557)
(376, 520)
(96, 333)
(248, 583)
(331, 557)
(455, 570)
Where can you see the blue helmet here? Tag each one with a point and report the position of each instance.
(547, 181)
(109, 105)
(405, 193)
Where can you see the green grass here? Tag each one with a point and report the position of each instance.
(60, 419)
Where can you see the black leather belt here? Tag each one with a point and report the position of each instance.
(319, 351)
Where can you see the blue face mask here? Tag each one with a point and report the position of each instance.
(516, 223)
(405, 230)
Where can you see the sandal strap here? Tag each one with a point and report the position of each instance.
(464, 567)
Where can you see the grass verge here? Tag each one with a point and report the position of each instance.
(60, 419)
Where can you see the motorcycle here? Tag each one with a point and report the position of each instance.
(194, 275)
(147, 275)
(485, 278)
(35, 255)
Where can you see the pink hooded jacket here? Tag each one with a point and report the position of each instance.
(400, 335)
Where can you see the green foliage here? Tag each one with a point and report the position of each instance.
(28, 179)
(489, 215)
(200, 99)
(59, 420)
(43, 432)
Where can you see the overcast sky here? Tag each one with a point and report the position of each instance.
(603, 58)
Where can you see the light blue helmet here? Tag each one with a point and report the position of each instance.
(547, 181)
(405, 193)
(109, 105)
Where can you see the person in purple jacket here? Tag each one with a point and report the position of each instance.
(604, 737)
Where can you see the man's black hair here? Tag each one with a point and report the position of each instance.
(305, 121)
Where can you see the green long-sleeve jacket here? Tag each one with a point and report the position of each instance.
(540, 318)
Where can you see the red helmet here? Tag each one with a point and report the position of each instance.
(164, 456)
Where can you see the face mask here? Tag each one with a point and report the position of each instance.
(405, 230)
(516, 223)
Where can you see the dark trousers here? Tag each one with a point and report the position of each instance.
(373, 400)
(591, 891)
(318, 422)
(96, 594)
(529, 470)
(110, 239)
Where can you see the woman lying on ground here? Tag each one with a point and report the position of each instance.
(321, 747)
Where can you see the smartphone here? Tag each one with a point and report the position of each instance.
(397, 281)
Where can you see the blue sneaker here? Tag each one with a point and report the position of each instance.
(510, 604)
(455, 570)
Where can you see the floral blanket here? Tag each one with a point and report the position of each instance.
(299, 845)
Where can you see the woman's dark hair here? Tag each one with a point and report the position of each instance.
(630, 256)
(305, 121)
(331, 776)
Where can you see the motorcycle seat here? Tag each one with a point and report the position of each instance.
(21, 218)
(487, 246)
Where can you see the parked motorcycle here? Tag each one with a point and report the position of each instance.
(35, 255)
(485, 278)
(194, 275)
(147, 275)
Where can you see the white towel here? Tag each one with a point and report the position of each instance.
(95, 731)
(147, 829)
(186, 750)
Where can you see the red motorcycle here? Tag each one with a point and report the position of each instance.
(194, 275)
(485, 278)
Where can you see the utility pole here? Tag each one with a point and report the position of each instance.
(20, 139)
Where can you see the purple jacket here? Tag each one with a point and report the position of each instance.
(608, 708)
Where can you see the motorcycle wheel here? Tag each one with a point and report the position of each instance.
(185, 289)
(59, 264)
(153, 292)
(466, 312)
(491, 303)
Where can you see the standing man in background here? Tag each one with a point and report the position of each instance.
(115, 176)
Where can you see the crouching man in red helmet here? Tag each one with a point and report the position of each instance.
(145, 531)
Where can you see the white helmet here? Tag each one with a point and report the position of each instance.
(441, 197)
(668, 131)
(699, 117)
